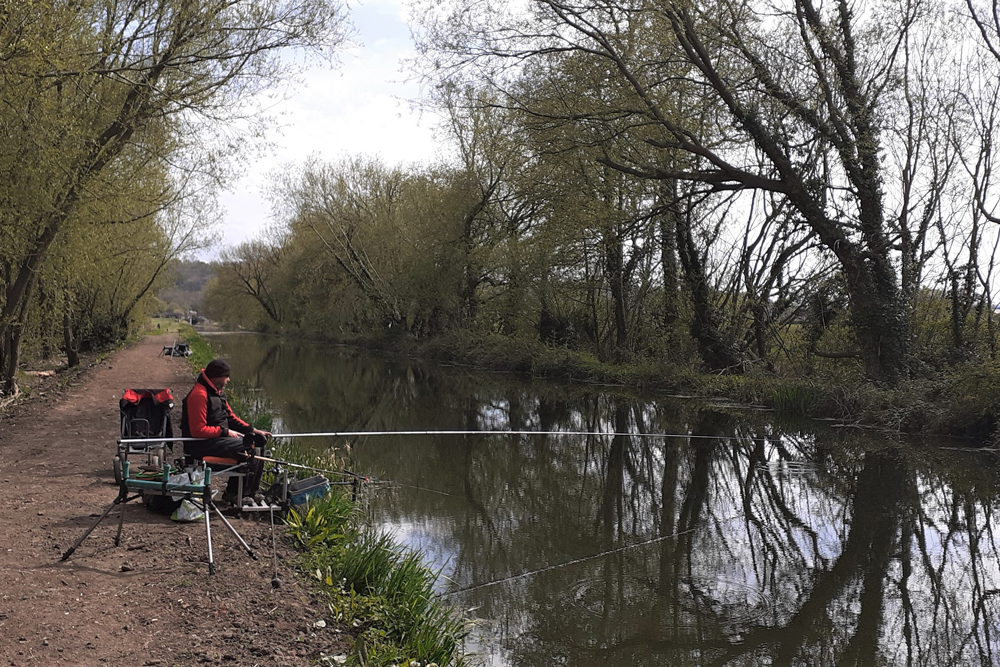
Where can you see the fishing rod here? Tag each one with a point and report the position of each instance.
(556, 566)
(346, 473)
(357, 434)
(267, 459)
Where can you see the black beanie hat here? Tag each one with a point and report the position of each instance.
(217, 368)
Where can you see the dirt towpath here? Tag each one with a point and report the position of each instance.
(151, 600)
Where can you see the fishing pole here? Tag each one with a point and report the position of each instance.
(574, 561)
(356, 434)
(352, 434)
(275, 580)
(267, 459)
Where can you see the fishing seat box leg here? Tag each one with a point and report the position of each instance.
(224, 466)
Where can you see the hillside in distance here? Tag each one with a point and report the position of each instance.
(185, 293)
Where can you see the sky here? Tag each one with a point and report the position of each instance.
(360, 106)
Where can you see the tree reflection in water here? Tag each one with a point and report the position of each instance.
(760, 544)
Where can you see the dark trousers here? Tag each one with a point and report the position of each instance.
(234, 448)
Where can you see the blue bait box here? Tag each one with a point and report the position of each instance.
(302, 491)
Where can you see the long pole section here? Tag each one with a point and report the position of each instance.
(358, 434)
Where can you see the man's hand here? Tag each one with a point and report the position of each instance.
(266, 434)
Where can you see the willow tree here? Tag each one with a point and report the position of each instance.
(590, 225)
(382, 248)
(88, 86)
(801, 96)
(501, 207)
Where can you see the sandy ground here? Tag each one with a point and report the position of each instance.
(151, 600)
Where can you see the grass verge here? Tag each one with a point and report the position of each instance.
(201, 351)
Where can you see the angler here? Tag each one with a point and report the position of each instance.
(207, 417)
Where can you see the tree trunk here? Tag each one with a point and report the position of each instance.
(761, 321)
(470, 299)
(614, 265)
(9, 353)
(957, 317)
(72, 349)
(880, 320)
(712, 347)
(15, 310)
(668, 261)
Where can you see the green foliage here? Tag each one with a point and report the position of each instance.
(385, 591)
(793, 399)
(201, 351)
(324, 522)
(377, 586)
(964, 401)
(108, 176)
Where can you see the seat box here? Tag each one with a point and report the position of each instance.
(303, 490)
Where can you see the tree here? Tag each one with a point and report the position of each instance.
(382, 248)
(89, 87)
(255, 267)
(502, 204)
(793, 99)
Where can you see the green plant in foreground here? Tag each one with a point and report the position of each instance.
(323, 522)
(384, 591)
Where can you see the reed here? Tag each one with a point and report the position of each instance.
(250, 404)
(795, 400)
(383, 589)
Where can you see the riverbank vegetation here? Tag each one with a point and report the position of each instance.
(379, 589)
(802, 194)
(667, 194)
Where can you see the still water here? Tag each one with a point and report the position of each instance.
(729, 541)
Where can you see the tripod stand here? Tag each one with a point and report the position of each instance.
(132, 488)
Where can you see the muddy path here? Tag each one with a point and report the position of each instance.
(151, 600)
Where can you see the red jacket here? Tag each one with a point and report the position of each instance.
(206, 412)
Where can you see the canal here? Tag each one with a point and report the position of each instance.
(676, 533)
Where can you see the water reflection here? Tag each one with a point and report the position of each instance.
(741, 542)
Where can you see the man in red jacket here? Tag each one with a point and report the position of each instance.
(206, 414)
